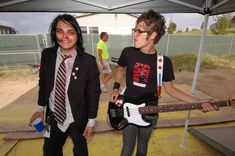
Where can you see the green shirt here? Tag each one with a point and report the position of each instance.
(102, 45)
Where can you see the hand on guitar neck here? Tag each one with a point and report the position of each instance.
(208, 105)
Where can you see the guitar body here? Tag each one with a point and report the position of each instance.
(123, 113)
(115, 114)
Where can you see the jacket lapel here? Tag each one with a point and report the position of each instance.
(51, 67)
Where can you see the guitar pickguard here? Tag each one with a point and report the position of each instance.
(132, 115)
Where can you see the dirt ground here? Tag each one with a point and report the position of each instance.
(217, 83)
(13, 84)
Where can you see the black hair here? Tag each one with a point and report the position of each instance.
(69, 19)
(102, 34)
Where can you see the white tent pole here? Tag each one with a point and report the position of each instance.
(196, 73)
(199, 57)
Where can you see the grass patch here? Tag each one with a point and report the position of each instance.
(2, 74)
(230, 58)
(15, 75)
(187, 62)
(184, 62)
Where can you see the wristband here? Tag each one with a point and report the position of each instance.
(116, 85)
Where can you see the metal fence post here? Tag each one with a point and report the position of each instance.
(38, 48)
(231, 45)
(167, 44)
(45, 41)
(92, 44)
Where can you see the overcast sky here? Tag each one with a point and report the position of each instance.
(34, 23)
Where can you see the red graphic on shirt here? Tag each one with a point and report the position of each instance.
(141, 74)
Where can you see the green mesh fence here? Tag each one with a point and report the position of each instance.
(26, 49)
(12, 43)
(20, 49)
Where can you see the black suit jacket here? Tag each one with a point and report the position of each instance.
(83, 91)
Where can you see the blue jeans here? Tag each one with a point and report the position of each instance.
(140, 135)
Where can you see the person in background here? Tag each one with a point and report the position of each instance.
(69, 89)
(140, 65)
(103, 58)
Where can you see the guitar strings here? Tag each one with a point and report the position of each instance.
(133, 111)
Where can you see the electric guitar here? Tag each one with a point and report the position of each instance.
(133, 111)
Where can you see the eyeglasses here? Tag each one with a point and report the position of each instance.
(140, 31)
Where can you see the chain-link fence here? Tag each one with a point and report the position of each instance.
(23, 50)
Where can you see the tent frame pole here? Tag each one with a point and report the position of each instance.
(196, 74)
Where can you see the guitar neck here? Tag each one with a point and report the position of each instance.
(177, 107)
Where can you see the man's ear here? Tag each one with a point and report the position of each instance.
(153, 36)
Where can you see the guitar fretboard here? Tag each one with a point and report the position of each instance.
(177, 107)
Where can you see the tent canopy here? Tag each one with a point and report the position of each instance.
(213, 7)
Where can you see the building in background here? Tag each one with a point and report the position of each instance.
(7, 30)
(232, 24)
(113, 24)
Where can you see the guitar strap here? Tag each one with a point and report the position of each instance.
(160, 62)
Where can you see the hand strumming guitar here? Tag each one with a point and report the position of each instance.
(114, 95)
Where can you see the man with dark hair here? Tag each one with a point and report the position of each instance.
(69, 89)
(140, 63)
(103, 57)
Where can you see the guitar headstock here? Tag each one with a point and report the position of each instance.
(231, 100)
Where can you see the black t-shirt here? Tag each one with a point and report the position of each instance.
(141, 74)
